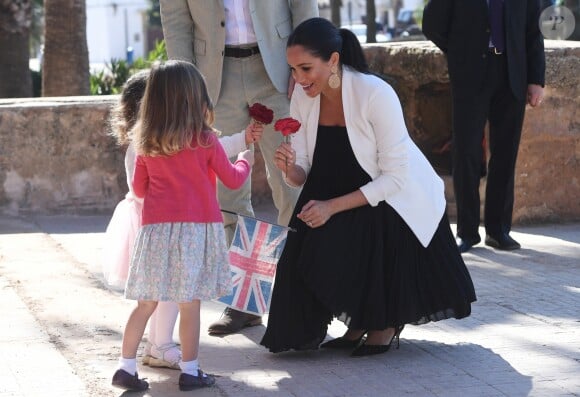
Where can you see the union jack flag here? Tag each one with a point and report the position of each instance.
(254, 253)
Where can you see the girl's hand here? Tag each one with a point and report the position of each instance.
(284, 157)
(247, 155)
(254, 132)
(316, 213)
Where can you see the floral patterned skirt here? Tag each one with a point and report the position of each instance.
(179, 262)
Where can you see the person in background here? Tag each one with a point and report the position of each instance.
(373, 245)
(180, 254)
(496, 62)
(239, 46)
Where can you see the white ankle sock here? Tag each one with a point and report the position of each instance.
(189, 367)
(128, 365)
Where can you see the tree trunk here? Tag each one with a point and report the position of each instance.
(335, 12)
(65, 68)
(15, 18)
(371, 24)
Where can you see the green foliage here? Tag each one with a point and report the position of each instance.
(110, 80)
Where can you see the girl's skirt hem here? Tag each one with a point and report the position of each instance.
(179, 262)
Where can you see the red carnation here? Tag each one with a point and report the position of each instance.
(261, 113)
(287, 126)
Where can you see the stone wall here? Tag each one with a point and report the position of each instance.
(56, 156)
(548, 168)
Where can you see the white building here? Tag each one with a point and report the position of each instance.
(113, 27)
(353, 10)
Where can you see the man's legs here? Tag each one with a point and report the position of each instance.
(264, 92)
(231, 117)
(469, 117)
(505, 122)
(245, 82)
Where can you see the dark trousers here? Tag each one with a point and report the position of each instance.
(495, 103)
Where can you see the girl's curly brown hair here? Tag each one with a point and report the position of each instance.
(125, 113)
(176, 112)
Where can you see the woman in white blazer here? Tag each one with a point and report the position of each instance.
(373, 245)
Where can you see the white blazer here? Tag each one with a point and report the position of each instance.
(401, 175)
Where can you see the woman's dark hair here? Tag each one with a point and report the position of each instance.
(321, 38)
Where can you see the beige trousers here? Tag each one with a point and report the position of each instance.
(244, 83)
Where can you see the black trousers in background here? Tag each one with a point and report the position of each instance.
(495, 102)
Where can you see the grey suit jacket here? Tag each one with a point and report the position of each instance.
(194, 31)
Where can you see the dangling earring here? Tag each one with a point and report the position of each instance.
(334, 79)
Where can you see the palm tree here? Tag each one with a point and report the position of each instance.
(15, 17)
(335, 12)
(65, 68)
(36, 27)
(371, 24)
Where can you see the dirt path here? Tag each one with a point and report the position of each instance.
(83, 319)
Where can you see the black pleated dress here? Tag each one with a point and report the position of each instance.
(364, 266)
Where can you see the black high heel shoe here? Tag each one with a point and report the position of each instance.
(369, 350)
(343, 343)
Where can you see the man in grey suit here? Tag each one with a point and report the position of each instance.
(240, 47)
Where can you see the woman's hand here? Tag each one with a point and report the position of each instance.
(316, 213)
(284, 157)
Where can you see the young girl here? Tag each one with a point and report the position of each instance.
(180, 254)
(160, 350)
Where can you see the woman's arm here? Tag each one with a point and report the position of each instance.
(385, 117)
(231, 175)
(316, 213)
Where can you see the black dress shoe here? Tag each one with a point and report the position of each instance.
(232, 321)
(124, 380)
(370, 350)
(343, 343)
(465, 244)
(189, 382)
(502, 241)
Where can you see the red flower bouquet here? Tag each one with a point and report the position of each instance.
(287, 126)
(261, 113)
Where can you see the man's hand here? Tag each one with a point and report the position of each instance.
(535, 94)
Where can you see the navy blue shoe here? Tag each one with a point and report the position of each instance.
(189, 382)
(124, 380)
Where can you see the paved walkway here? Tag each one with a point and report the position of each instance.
(61, 328)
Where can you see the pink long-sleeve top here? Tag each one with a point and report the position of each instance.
(182, 187)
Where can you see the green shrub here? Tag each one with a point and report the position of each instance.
(111, 79)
